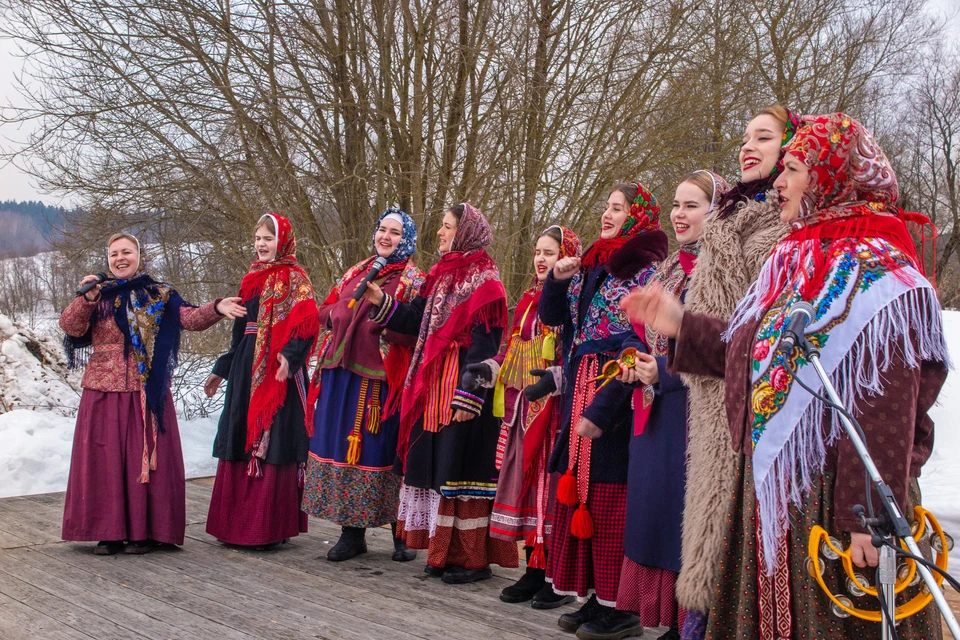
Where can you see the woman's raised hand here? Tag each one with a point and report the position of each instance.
(373, 294)
(566, 268)
(94, 293)
(231, 308)
(212, 384)
(653, 307)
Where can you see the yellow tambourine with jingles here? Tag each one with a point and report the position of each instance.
(614, 368)
(820, 542)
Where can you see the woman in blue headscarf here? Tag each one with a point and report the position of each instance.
(356, 390)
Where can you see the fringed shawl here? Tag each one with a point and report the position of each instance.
(147, 313)
(852, 258)
(462, 290)
(287, 312)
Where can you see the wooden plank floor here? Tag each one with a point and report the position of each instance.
(51, 589)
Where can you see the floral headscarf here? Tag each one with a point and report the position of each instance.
(851, 257)
(287, 311)
(644, 214)
(847, 168)
(643, 217)
(408, 244)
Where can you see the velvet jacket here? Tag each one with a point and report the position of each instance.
(108, 369)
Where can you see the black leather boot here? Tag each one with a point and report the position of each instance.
(401, 552)
(575, 619)
(459, 575)
(611, 624)
(524, 589)
(352, 542)
(547, 598)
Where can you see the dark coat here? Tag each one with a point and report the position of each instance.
(288, 432)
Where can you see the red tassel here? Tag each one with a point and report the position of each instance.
(582, 524)
(531, 540)
(567, 489)
(538, 559)
(253, 468)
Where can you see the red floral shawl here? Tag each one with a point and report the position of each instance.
(461, 290)
(287, 311)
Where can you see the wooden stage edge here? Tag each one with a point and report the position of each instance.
(50, 589)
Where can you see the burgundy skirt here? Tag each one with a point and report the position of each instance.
(105, 500)
(250, 511)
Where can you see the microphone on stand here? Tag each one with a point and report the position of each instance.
(375, 268)
(90, 285)
(801, 315)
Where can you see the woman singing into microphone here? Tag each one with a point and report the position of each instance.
(360, 373)
(262, 438)
(878, 326)
(126, 480)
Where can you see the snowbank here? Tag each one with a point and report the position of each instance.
(940, 478)
(35, 455)
(34, 373)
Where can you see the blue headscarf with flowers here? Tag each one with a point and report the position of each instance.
(408, 244)
(147, 313)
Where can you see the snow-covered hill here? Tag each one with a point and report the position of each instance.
(39, 396)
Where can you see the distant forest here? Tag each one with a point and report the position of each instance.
(28, 227)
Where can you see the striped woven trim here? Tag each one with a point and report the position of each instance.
(467, 401)
(386, 310)
(250, 328)
(467, 488)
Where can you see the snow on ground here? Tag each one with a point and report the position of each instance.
(940, 478)
(35, 455)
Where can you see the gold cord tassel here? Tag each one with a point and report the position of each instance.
(353, 449)
(373, 417)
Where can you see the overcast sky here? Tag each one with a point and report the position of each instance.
(15, 185)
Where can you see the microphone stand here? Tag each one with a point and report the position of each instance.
(891, 523)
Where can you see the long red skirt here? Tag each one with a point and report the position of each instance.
(582, 568)
(252, 511)
(104, 499)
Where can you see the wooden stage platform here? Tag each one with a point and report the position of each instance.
(51, 589)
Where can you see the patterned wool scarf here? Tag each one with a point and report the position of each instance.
(852, 258)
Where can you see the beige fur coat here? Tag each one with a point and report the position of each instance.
(731, 256)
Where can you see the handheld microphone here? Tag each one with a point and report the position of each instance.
(90, 285)
(375, 268)
(800, 316)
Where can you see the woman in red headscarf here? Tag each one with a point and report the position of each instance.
(879, 330)
(523, 508)
(586, 547)
(263, 436)
(448, 435)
